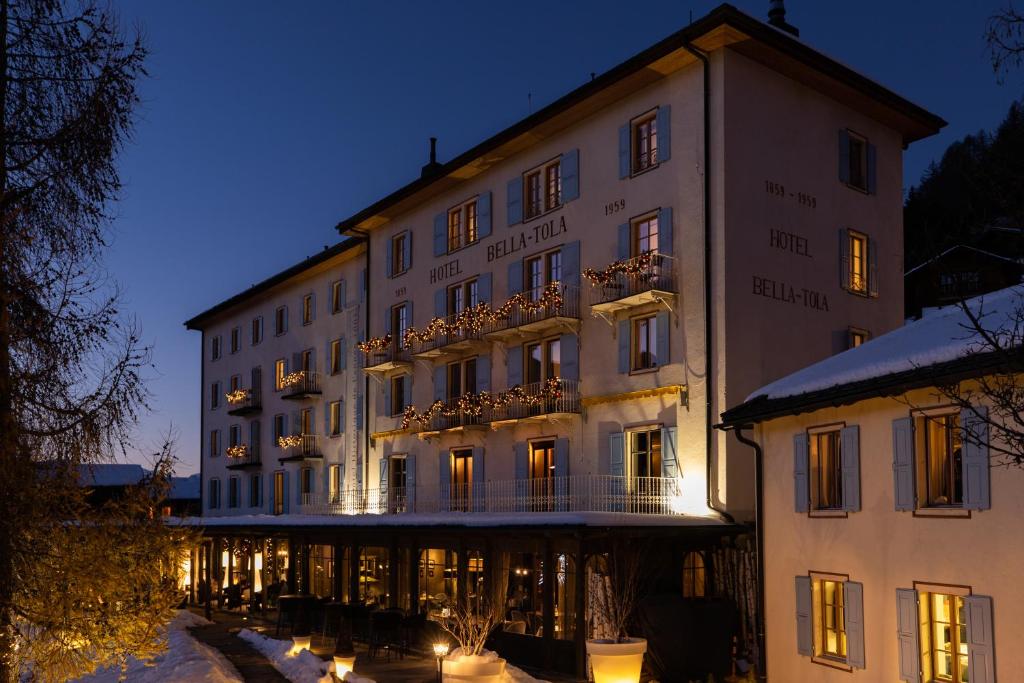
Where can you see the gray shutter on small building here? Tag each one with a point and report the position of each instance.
(666, 245)
(801, 468)
(570, 349)
(440, 382)
(407, 391)
(483, 374)
(484, 287)
(844, 156)
(872, 247)
(903, 462)
(514, 365)
(515, 277)
(844, 258)
(853, 613)
(804, 636)
(390, 256)
(622, 249)
(514, 200)
(383, 486)
(872, 159)
(980, 641)
(441, 303)
(664, 126)
(624, 151)
(410, 482)
(440, 234)
(849, 461)
(975, 461)
(569, 165)
(444, 478)
(907, 629)
(623, 342)
(483, 214)
(669, 456)
(664, 351)
(571, 263)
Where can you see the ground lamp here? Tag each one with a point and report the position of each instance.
(440, 651)
(300, 643)
(343, 664)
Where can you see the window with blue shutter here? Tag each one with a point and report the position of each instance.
(440, 382)
(853, 614)
(410, 482)
(623, 342)
(483, 374)
(669, 456)
(903, 463)
(624, 151)
(570, 350)
(980, 641)
(483, 214)
(976, 484)
(665, 242)
(515, 277)
(570, 166)
(571, 264)
(664, 120)
(664, 351)
(801, 467)
(804, 634)
(440, 234)
(441, 303)
(483, 288)
(514, 365)
(907, 632)
(514, 200)
(383, 486)
(521, 463)
(849, 455)
(872, 249)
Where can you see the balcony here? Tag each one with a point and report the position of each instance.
(299, 447)
(454, 336)
(539, 400)
(644, 279)
(394, 357)
(553, 306)
(452, 418)
(300, 385)
(244, 401)
(242, 456)
(582, 493)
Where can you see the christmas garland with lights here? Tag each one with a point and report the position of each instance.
(293, 378)
(239, 451)
(633, 267)
(292, 441)
(473, 404)
(374, 344)
(237, 396)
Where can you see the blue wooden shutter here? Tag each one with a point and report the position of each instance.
(844, 258)
(907, 631)
(362, 285)
(341, 416)
(844, 156)
(664, 126)
(617, 454)
(570, 350)
(515, 277)
(664, 324)
(483, 374)
(410, 482)
(571, 263)
(285, 494)
(440, 382)
(623, 341)
(483, 214)
(521, 463)
(849, 460)
(407, 250)
(570, 168)
(801, 492)
(387, 320)
(561, 474)
(409, 314)
(383, 485)
(343, 295)
(407, 390)
(669, 456)
(272, 496)
(387, 396)
(327, 419)
(872, 155)
(514, 200)
(483, 288)
(665, 242)
(622, 251)
(903, 462)
(343, 352)
(390, 257)
(980, 643)
(853, 612)
(444, 478)
(514, 365)
(872, 247)
(440, 234)
(479, 494)
(441, 303)
(804, 638)
(624, 151)
(977, 487)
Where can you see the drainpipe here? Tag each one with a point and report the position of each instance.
(759, 536)
(366, 378)
(708, 362)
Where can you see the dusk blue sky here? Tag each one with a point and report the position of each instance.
(264, 124)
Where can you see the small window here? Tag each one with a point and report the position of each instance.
(215, 396)
(858, 150)
(399, 252)
(397, 406)
(644, 235)
(542, 189)
(306, 421)
(335, 360)
(645, 453)
(281, 320)
(257, 330)
(462, 296)
(279, 427)
(215, 443)
(829, 617)
(337, 297)
(645, 343)
(694, 575)
(334, 483)
(306, 481)
(939, 446)
(461, 378)
(543, 360)
(944, 646)
(335, 418)
(255, 491)
(233, 492)
(399, 323)
(307, 309)
(235, 340)
(214, 494)
(396, 472)
(462, 225)
(644, 142)
(279, 493)
(858, 276)
(856, 337)
(235, 435)
(215, 348)
(826, 475)
(280, 370)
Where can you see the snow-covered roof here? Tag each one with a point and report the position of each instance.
(110, 474)
(942, 335)
(184, 487)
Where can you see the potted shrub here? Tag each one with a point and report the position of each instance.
(617, 658)
(470, 627)
(344, 651)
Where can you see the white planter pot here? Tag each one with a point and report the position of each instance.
(300, 643)
(472, 669)
(343, 664)
(614, 662)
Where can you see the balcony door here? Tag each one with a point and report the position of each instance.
(541, 271)
(645, 484)
(461, 479)
(279, 493)
(542, 476)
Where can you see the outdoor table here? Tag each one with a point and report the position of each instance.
(294, 605)
(333, 614)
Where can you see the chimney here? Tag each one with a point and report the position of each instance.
(432, 165)
(777, 17)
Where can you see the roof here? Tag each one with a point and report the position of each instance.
(200, 321)
(983, 252)
(942, 346)
(110, 474)
(730, 26)
(183, 488)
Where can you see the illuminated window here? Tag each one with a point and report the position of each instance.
(645, 235)
(306, 421)
(645, 453)
(939, 447)
(945, 645)
(542, 189)
(461, 479)
(694, 575)
(334, 483)
(829, 619)
(856, 337)
(279, 493)
(645, 142)
(307, 309)
(462, 296)
(645, 343)
(397, 483)
(858, 274)
(280, 370)
(826, 470)
(462, 225)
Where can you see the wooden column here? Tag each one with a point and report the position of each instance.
(206, 550)
(353, 574)
(192, 573)
(292, 556)
(215, 587)
(550, 576)
(581, 610)
(414, 578)
(461, 576)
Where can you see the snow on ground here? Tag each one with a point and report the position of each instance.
(305, 667)
(941, 335)
(512, 674)
(185, 661)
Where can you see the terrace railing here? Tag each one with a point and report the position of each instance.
(645, 273)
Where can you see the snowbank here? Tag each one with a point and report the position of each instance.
(185, 661)
(304, 667)
(512, 674)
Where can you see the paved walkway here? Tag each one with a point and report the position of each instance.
(251, 665)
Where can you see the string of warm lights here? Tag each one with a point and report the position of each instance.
(293, 378)
(237, 396)
(238, 451)
(639, 266)
(374, 344)
(291, 441)
(474, 404)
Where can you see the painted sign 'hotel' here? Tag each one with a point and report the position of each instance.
(520, 356)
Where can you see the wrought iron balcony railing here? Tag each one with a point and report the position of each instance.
(537, 399)
(451, 337)
(244, 401)
(636, 280)
(299, 447)
(243, 455)
(395, 355)
(300, 384)
(547, 305)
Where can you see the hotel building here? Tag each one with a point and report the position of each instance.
(550, 325)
